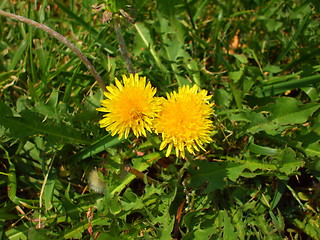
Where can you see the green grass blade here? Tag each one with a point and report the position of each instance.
(92, 31)
(282, 87)
(18, 54)
(302, 26)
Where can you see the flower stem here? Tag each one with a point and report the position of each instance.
(60, 38)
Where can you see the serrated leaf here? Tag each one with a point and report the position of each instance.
(19, 232)
(313, 149)
(236, 76)
(284, 112)
(76, 231)
(31, 123)
(202, 233)
(5, 110)
(234, 170)
(48, 109)
(288, 162)
(228, 230)
(222, 97)
(289, 110)
(39, 234)
(284, 162)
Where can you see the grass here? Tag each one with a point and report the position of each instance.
(258, 179)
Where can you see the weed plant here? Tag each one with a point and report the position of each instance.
(257, 179)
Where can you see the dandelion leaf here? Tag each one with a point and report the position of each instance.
(212, 173)
(277, 116)
(30, 123)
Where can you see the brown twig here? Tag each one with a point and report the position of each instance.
(177, 221)
(60, 38)
(122, 45)
(139, 174)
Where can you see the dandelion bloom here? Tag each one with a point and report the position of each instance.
(129, 106)
(184, 120)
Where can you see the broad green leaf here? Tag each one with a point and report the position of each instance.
(30, 123)
(236, 76)
(242, 58)
(175, 50)
(234, 170)
(49, 109)
(202, 233)
(309, 226)
(49, 188)
(76, 231)
(272, 69)
(222, 97)
(287, 161)
(89, 112)
(12, 189)
(144, 34)
(39, 234)
(284, 162)
(212, 173)
(5, 215)
(313, 149)
(143, 38)
(262, 150)
(141, 164)
(193, 70)
(167, 222)
(278, 194)
(312, 92)
(106, 235)
(5, 110)
(289, 110)
(19, 232)
(228, 229)
(97, 147)
(284, 111)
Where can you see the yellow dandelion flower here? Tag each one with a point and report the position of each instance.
(129, 106)
(184, 121)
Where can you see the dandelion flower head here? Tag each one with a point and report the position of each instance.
(184, 121)
(130, 106)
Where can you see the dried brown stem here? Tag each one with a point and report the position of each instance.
(60, 38)
(177, 221)
(139, 174)
(122, 45)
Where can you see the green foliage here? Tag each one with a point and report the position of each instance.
(259, 179)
